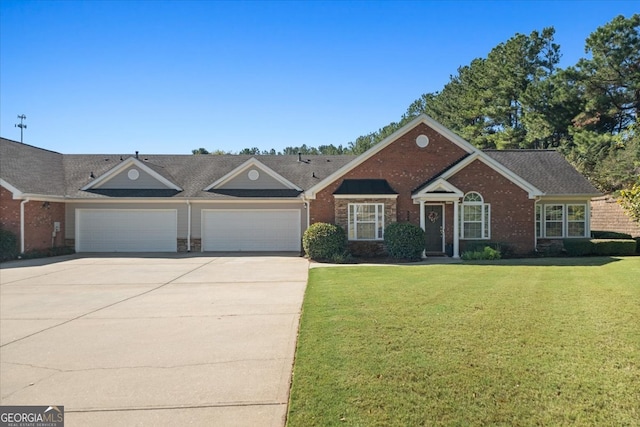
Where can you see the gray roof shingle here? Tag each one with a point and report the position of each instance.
(547, 170)
(31, 169)
(38, 171)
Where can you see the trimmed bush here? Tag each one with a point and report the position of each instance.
(322, 241)
(613, 246)
(578, 247)
(637, 239)
(8, 245)
(404, 240)
(488, 253)
(609, 235)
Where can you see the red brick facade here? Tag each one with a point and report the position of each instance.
(405, 166)
(512, 211)
(39, 221)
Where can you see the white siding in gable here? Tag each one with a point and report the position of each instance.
(122, 181)
(243, 182)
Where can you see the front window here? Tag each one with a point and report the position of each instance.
(475, 217)
(366, 221)
(576, 220)
(554, 220)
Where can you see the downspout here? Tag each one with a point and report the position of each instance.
(188, 226)
(22, 203)
(307, 207)
(535, 220)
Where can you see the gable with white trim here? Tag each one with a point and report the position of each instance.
(252, 175)
(131, 174)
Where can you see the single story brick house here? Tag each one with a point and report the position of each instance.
(423, 173)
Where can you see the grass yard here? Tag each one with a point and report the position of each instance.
(547, 342)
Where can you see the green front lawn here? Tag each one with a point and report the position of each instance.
(512, 343)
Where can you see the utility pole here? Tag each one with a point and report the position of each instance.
(22, 126)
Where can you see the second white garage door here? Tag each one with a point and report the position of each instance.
(126, 230)
(254, 230)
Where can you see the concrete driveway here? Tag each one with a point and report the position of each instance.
(160, 340)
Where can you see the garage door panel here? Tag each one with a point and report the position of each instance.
(114, 230)
(257, 230)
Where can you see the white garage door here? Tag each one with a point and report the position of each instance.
(255, 230)
(126, 230)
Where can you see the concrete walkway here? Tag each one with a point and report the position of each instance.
(160, 340)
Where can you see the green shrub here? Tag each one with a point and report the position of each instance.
(48, 252)
(613, 246)
(8, 245)
(488, 253)
(578, 247)
(365, 249)
(322, 241)
(637, 239)
(595, 234)
(404, 240)
(506, 250)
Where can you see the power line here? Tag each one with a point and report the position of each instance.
(22, 126)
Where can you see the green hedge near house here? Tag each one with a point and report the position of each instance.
(597, 234)
(583, 247)
(578, 247)
(322, 241)
(8, 245)
(614, 247)
(404, 240)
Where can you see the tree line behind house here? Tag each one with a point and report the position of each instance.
(518, 98)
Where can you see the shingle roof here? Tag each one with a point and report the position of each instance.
(31, 169)
(38, 171)
(547, 170)
(365, 186)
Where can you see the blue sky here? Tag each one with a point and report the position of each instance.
(168, 76)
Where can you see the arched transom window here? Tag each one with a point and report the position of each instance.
(475, 217)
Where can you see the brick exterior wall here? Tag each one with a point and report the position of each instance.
(406, 166)
(512, 212)
(608, 215)
(39, 219)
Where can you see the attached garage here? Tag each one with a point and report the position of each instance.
(126, 230)
(251, 230)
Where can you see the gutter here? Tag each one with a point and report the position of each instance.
(188, 226)
(22, 203)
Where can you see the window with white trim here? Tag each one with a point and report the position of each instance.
(475, 217)
(366, 221)
(576, 220)
(538, 220)
(554, 220)
(561, 220)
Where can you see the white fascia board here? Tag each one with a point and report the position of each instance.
(439, 184)
(555, 197)
(42, 197)
(252, 162)
(17, 194)
(531, 190)
(365, 196)
(423, 118)
(125, 164)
